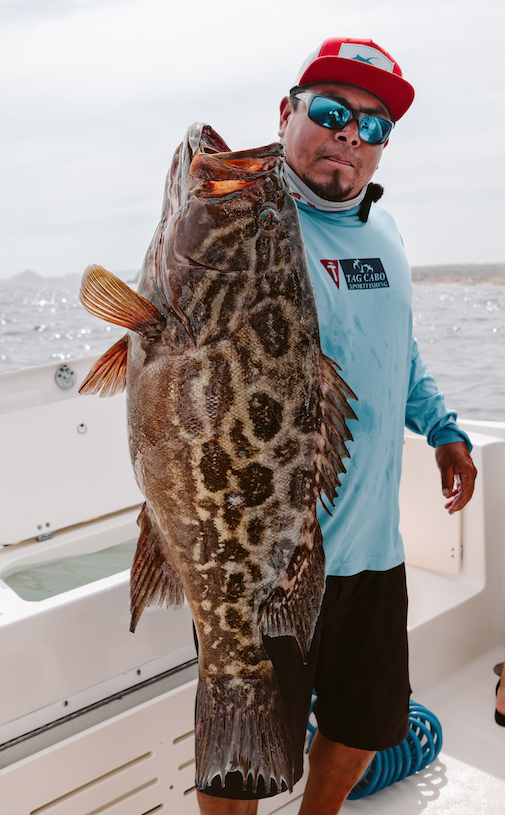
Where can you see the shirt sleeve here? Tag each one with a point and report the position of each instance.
(426, 412)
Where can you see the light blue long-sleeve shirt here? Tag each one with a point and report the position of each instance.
(363, 288)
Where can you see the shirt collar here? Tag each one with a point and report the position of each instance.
(304, 194)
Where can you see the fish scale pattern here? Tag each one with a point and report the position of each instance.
(237, 424)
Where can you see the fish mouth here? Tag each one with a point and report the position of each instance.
(215, 175)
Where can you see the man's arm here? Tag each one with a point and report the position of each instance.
(428, 414)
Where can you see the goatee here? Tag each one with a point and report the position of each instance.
(334, 190)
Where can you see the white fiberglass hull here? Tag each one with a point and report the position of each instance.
(94, 719)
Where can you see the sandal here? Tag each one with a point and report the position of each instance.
(499, 717)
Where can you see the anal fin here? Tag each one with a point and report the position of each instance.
(108, 375)
(293, 607)
(153, 580)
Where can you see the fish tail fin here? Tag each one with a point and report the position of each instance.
(335, 412)
(108, 375)
(153, 581)
(241, 726)
(106, 296)
(293, 607)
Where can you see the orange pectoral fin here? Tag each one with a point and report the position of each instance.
(108, 375)
(106, 296)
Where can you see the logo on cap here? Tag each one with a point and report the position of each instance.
(364, 59)
(366, 54)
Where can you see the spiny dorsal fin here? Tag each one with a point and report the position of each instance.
(153, 581)
(106, 296)
(335, 412)
(108, 375)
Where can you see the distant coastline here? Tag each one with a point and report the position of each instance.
(441, 273)
(460, 273)
(31, 278)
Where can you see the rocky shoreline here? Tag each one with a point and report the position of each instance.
(460, 273)
(443, 273)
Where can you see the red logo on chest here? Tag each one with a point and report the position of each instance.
(331, 267)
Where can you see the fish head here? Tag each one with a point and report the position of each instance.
(223, 212)
(234, 200)
(157, 279)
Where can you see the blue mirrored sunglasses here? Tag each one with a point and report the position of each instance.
(330, 113)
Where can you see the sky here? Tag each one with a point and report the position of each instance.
(95, 95)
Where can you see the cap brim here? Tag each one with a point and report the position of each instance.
(396, 93)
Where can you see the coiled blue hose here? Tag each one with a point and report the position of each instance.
(421, 746)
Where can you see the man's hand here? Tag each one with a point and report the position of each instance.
(458, 474)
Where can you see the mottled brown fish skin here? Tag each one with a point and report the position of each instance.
(224, 422)
(236, 424)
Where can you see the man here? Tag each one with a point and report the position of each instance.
(335, 125)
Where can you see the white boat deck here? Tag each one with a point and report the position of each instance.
(88, 727)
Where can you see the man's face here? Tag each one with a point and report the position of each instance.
(336, 165)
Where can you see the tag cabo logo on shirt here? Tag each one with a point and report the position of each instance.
(331, 267)
(364, 273)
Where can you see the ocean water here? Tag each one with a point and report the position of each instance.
(42, 321)
(460, 329)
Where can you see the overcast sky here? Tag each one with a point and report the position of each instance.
(95, 95)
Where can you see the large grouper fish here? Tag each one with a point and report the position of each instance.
(237, 424)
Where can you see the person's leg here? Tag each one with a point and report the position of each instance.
(210, 805)
(364, 633)
(364, 624)
(334, 770)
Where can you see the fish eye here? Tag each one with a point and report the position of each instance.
(268, 217)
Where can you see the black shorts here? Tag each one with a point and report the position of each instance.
(358, 667)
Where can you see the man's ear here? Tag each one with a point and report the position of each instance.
(286, 111)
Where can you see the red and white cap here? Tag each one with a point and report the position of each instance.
(362, 63)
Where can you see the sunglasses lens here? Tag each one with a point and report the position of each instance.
(329, 113)
(374, 130)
